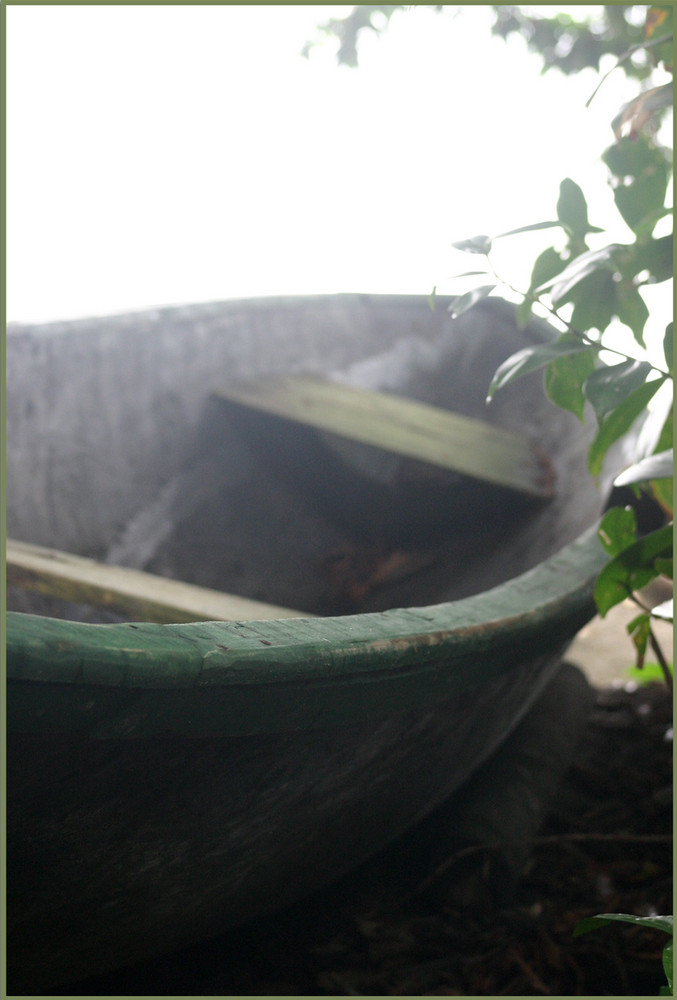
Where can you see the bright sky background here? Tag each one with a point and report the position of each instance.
(172, 154)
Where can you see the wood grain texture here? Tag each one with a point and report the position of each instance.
(412, 429)
(124, 849)
(231, 678)
(137, 595)
(168, 781)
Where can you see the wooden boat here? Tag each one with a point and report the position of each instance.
(166, 782)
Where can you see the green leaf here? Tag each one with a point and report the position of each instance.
(668, 347)
(632, 569)
(657, 923)
(547, 266)
(639, 630)
(633, 117)
(468, 274)
(658, 28)
(618, 422)
(594, 301)
(664, 441)
(653, 255)
(662, 489)
(608, 386)
(529, 229)
(524, 311)
(564, 379)
(476, 244)
(659, 466)
(642, 171)
(617, 529)
(530, 359)
(662, 492)
(461, 303)
(664, 567)
(602, 919)
(631, 309)
(579, 268)
(668, 967)
(600, 284)
(631, 158)
(572, 210)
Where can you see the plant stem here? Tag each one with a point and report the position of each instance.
(655, 645)
(596, 344)
(647, 44)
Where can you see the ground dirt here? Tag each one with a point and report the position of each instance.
(605, 847)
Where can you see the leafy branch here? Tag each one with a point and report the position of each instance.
(597, 286)
(586, 288)
(663, 40)
(483, 244)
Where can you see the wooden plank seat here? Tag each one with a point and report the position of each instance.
(132, 593)
(402, 426)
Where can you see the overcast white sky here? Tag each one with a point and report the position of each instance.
(171, 154)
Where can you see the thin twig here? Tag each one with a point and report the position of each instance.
(624, 58)
(598, 345)
(655, 645)
(530, 973)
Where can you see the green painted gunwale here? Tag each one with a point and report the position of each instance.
(230, 678)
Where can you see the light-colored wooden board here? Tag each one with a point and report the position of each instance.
(463, 444)
(132, 593)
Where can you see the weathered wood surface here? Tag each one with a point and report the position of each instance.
(120, 850)
(416, 430)
(228, 678)
(132, 593)
(109, 430)
(168, 781)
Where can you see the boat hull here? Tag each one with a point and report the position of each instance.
(168, 782)
(127, 851)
